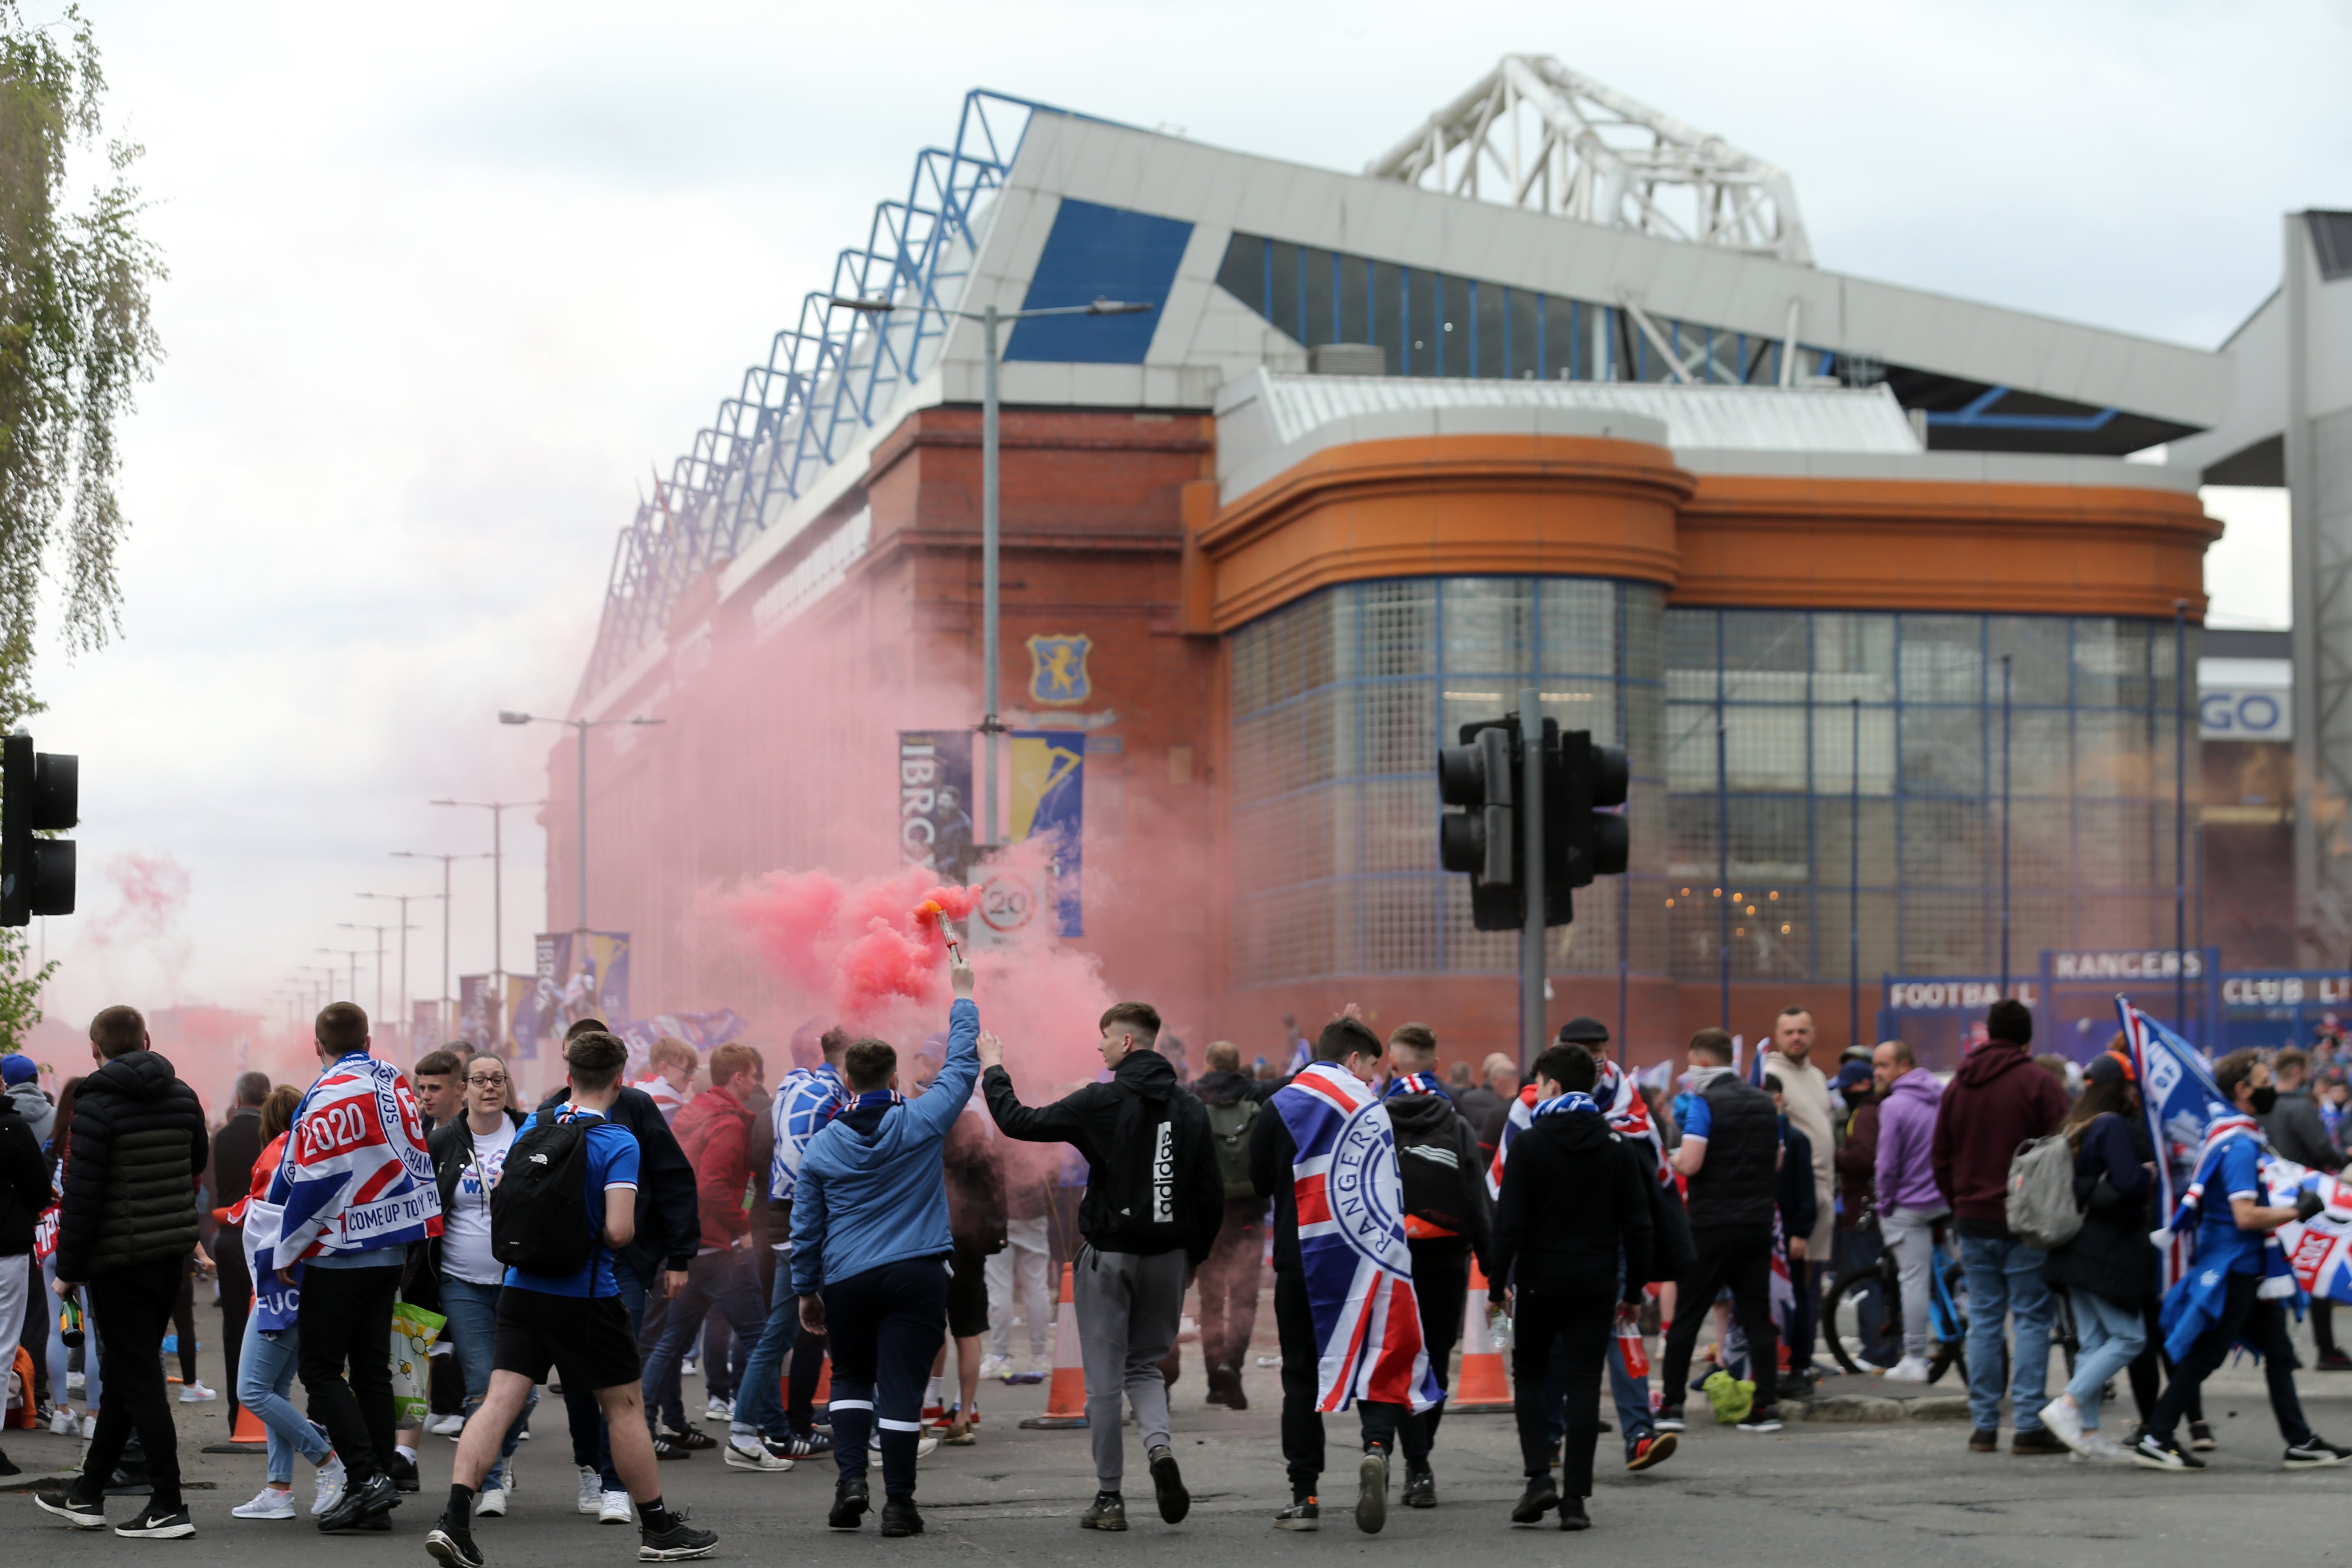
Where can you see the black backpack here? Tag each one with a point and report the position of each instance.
(1229, 1128)
(1437, 1186)
(538, 1211)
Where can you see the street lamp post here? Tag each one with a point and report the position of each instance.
(498, 810)
(354, 955)
(584, 725)
(990, 320)
(444, 1006)
(403, 900)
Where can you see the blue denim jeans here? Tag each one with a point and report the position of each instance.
(2004, 1279)
(473, 1313)
(93, 1385)
(2112, 1334)
(265, 1371)
(759, 1408)
(722, 1282)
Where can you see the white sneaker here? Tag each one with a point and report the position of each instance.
(924, 1448)
(89, 1426)
(75, 1383)
(718, 1409)
(2064, 1419)
(268, 1503)
(64, 1423)
(197, 1393)
(446, 1427)
(1910, 1369)
(2100, 1447)
(490, 1502)
(689, 1367)
(330, 1486)
(591, 1489)
(993, 1365)
(751, 1454)
(616, 1510)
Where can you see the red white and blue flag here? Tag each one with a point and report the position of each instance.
(355, 1176)
(1351, 1243)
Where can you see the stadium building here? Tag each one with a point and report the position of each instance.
(1552, 394)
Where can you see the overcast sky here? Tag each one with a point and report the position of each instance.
(449, 281)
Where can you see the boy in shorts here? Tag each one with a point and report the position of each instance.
(576, 1324)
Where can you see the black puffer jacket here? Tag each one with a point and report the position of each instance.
(23, 1182)
(136, 1153)
(1117, 1126)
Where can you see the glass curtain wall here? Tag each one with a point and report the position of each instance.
(1786, 731)
(1339, 704)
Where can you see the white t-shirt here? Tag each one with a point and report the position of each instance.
(466, 1227)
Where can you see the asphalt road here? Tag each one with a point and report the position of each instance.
(1906, 1494)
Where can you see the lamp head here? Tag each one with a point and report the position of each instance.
(1119, 307)
(508, 716)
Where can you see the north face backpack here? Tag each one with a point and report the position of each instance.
(2042, 1211)
(538, 1211)
(1229, 1127)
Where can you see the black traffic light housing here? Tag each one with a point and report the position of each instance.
(1484, 840)
(39, 792)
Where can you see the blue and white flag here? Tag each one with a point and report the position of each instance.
(2180, 1100)
(355, 1176)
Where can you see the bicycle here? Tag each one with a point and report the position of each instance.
(1863, 1315)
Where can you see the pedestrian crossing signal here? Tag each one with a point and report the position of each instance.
(40, 792)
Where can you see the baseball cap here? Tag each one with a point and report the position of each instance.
(1850, 1074)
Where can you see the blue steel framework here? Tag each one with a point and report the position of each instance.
(1764, 710)
(1339, 701)
(822, 381)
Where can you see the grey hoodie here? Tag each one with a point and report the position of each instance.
(35, 1107)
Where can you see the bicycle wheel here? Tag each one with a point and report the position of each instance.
(1948, 1337)
(1864, 1320)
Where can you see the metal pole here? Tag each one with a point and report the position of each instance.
(988, 569)
(1722, 870)
(2004, 824)
(1625, 936)
(379, 974)
(584, 826)
(2180, 816)
(1854, 888)
(1529, 816)
(441, 1004)
(498, 923)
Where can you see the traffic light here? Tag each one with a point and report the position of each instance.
(1482, 774)
(1486, 840)
(1581, 841)
(39, 792)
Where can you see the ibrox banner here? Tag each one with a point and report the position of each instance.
(580, 975)
(935, 801)
(476, 1017)
(1049, 777)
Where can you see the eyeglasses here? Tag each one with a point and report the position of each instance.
(494, 1081)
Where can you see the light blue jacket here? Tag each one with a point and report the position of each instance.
(877, 1195)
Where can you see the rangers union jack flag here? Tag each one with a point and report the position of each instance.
(1351, 1243)
(355, 1176)
(1619, 1099)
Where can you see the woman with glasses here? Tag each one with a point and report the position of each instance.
(469, 1154)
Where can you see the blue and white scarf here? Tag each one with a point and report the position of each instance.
(1412, 1084)
(1574, 1100)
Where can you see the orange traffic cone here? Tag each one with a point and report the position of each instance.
(1066, 1401)
(248, 1437)
(1480, 1389)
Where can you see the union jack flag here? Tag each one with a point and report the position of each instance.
(1351, 1243)
(355, 1176)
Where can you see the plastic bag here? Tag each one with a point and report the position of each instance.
(414, 1330)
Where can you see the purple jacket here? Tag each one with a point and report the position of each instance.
(1906, 1133)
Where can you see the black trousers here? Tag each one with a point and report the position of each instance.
(808, 1365)
(2145, 1384)
(1441, 1284)
(1302, 1423)
(886, 1326)
(1741, 1260)
(1574, 1325)
(346, 1318)
(2260, 1323)
(130, 1308)
(235, 1305)
(183, 1321)
(1228, 1281)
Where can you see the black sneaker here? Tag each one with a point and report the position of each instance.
(693, 1437)
(1643, 1452)
(1762, 1418)
(2315, 1452)
(2200, 1438)
(1541, 1498)
(850, 1501)
(1669, 1418)
(1108, 1512)
(2333, 1360)
(82, 1513)
(666, 1450)
(799, 1446)
(1572, 1515)
(674, 1543)
(1372, 1491)
(361, 1501)
(2155, 1453)
(9, 1466)
(901, 1517)
(1420, 1486)
(403, 1472)
(1167, 1482)
(152, 1523)
(452, 1545)
(1306, 1514)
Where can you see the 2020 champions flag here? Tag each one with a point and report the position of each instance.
(355, 1176)
(1351, 1243)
